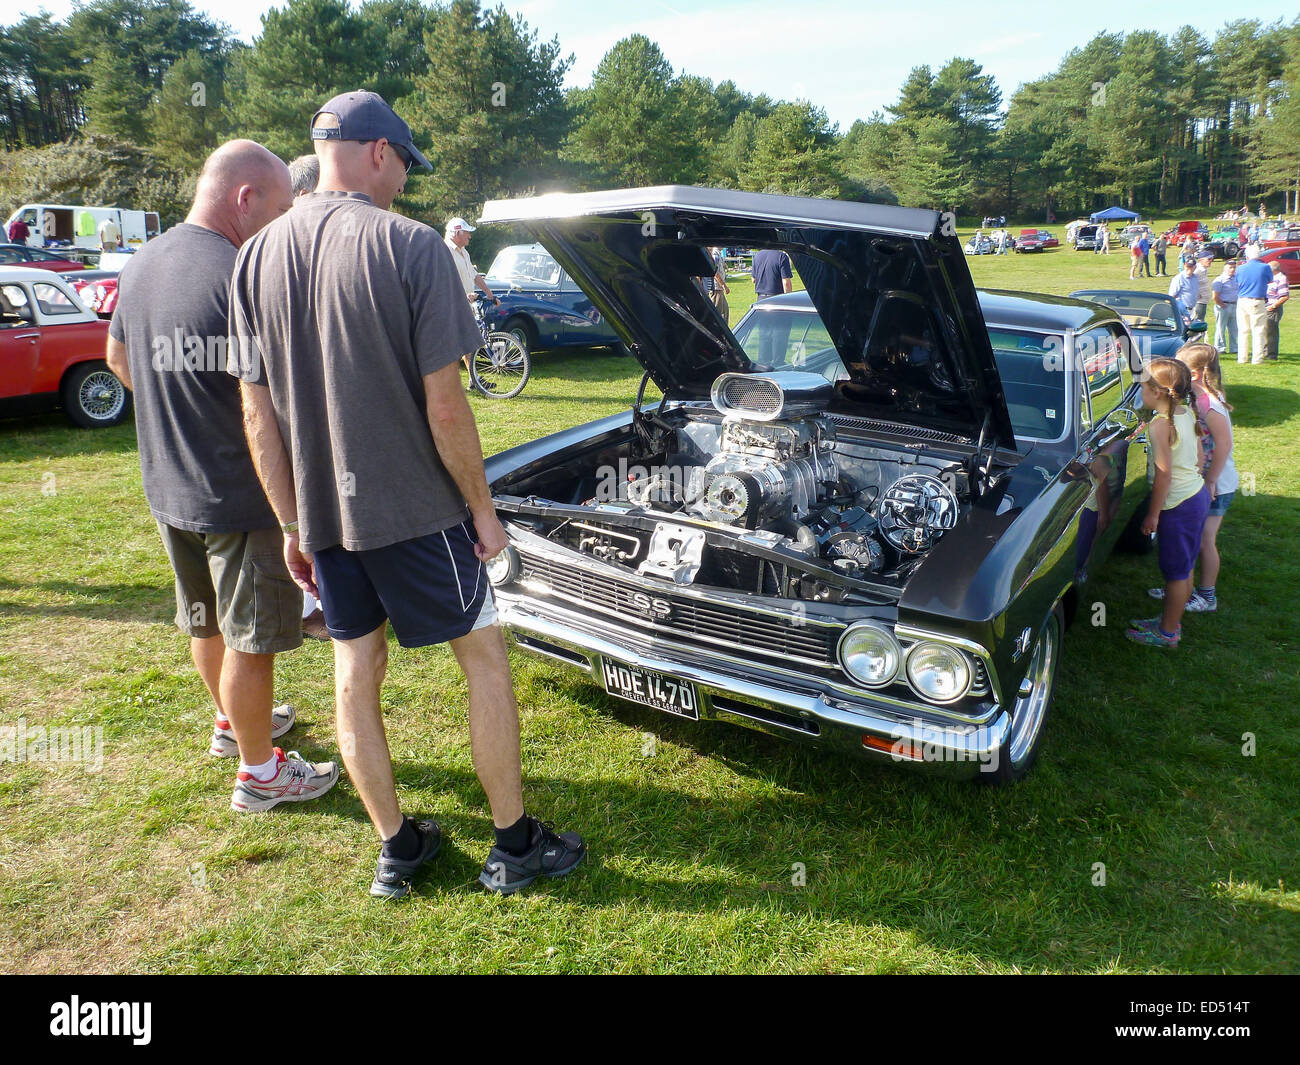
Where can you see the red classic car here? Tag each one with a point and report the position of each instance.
(1280, 237)
(1290, 260)
(52, 352)
(35, 258)
(1036, 240)
(98, 290)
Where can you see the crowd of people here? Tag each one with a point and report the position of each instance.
(338, 455)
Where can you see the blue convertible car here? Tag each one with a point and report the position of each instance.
(541, 304)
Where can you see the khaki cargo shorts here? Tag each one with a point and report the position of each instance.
(235, 585)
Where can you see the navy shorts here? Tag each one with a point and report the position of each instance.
(432, 589)
(1178, 536)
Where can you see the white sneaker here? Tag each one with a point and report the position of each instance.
(223, 743)
(295, 780)
(1198, 604)
(1156, 593)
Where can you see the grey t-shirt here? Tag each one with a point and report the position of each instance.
(173, 301)
(344, 307)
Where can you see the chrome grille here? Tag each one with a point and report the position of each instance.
(690, 619)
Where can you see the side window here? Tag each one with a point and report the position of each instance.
(567, 284)
(1099, 356)
(53, 300)
(15, 309)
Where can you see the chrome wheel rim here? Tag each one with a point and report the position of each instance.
(1027, 717)
(101, 396)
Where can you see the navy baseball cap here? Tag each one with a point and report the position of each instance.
(365, 116)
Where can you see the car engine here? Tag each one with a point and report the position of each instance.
(773, 464)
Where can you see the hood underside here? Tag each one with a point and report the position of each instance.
(892, 289)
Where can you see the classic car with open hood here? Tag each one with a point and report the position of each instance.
(860, 520)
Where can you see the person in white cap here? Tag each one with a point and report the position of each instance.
(457, 239)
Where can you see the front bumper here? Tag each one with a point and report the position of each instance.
(768, 700)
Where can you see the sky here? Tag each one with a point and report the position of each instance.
(849, 58)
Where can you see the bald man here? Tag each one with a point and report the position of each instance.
(235, 598)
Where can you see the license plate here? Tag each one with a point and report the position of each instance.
(672, 696)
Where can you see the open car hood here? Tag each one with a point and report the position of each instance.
(892, 289)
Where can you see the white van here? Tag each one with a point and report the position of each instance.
(77, 225)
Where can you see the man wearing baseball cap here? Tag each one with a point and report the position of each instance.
(457, 239)
(363, 438)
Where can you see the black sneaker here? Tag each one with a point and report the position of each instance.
(550, 854)
(393, 876)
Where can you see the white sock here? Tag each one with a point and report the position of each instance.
(261, 773)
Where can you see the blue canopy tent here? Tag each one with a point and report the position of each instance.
(1114, 214)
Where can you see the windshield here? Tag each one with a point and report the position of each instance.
(784, 339)
(1028, 363)
(1145, 312)
(527, 263)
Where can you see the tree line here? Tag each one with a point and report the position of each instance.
(121, 101)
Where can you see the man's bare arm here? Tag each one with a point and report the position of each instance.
(271, 460)
(455, 435)
(117, 362)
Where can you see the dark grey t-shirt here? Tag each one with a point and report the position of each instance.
(173, 301)
(348, 306)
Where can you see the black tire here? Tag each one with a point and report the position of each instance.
(501, 368)
(93, 397)
(1231, 248)
(523, 331)
(1031, 704)
(1133, 541)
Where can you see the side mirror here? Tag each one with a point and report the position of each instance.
(1195, 327)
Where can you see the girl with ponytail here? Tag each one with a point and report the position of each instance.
(1212, 412)
(1180, 500)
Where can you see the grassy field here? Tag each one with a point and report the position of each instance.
(695, 831)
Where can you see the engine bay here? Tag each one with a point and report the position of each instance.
(766, 492)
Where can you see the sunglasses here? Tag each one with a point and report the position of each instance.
(408, 160)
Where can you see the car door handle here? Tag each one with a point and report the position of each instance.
(33, 337)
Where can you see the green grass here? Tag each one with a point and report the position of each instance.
(142, 866)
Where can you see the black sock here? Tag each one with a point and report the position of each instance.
(404, 845)
(515, 839)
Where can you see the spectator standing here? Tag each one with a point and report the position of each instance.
(1105, 240)
(1160, 247)
(234, 596)
(1185, 288)
(457, 241)
(1144, 248)
(770, 270)
(1135, 259)
(19, 231)
(716, 286)
(362, 435)
(1224, 291)
(1253, 279)
(1204, 293)
(1279, 291)
(110, 237)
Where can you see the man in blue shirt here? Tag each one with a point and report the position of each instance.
(1252, 297)
(1184, 287)
(1144, 247)
(771, 273)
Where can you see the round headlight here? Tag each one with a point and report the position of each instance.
(504, 568)
(937, 672)
(870, 655)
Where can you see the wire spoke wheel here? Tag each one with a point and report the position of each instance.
(500, 369)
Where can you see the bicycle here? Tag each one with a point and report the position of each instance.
(500, 368)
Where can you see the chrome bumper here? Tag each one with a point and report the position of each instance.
(802, 711)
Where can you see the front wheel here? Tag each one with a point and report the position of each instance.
(93, 397)
(1032, 702)
(500, 369)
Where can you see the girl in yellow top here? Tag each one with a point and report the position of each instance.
(1180, 500)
